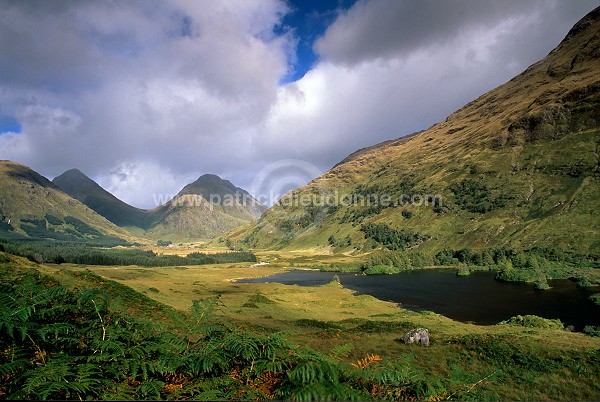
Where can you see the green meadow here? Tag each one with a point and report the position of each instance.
(74, 331)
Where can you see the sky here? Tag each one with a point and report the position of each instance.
(144, 96)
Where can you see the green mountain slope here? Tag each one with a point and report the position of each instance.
(33, 207)
(518, 167)
(82, 188)
(206, 208)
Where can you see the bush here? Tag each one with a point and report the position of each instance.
(595, 298)
(393, 239)
(584, 282)
(533, 321)
(592, 330)
(474, 196)
(381, 270)
(393, 259)
(463, 270)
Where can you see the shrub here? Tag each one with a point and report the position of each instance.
(533, 321)
(394, 260)
(595, 298)
(475, 196)
(381, 270)
(584, 282)
(592, 330)
(393, 239)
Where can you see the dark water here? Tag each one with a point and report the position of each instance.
(476, 298)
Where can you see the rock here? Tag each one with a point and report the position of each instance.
(419, 335)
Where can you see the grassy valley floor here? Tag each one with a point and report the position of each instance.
(464, 361)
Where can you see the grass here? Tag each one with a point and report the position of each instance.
(503, 357)
(504, 361)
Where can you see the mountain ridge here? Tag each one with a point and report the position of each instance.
(31, 206)
(202, 209)
(87, 191)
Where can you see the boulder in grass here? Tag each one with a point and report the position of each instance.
(419, 336)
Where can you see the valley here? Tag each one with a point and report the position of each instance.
(103, 300)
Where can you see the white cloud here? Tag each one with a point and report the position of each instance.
(144, 183)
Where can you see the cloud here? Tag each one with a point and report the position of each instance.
(147, 95)
(144, 183)
(389, 28)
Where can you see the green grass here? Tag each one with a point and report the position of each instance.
(525, 358)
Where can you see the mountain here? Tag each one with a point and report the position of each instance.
(206, 208)
(31, 206)
(518, 167)
(82, 188)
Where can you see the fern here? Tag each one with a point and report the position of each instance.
(209, 359)
(15, 359)
(243, 344)
(341, 351)
(367, 361)
(60, 380)
(151, 389)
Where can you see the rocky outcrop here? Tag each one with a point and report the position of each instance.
(419, 336)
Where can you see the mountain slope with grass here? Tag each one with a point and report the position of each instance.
(206, 208)
(88, 192)
(519, 167)
(32, 207)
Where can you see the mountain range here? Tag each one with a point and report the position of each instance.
(518, 167)
(32, 206)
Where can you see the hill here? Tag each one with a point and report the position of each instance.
(518, 167)
(206, 208)
(33, 207)
(82, 188)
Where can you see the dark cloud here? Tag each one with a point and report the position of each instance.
(391, 28)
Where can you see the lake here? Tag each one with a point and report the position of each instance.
(477, 298)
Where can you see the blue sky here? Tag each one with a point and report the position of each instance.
(145, 96)
(309, 19)
(9, 124)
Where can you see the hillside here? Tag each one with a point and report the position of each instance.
(33, 207)
(518, 167)
(82, 188)
(206, 208)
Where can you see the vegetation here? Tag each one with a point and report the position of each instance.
(393, 239)
(536, 265)
(475, 196)
(80, 336)
(75, 253)
(393, 262)
(67, 229)
(61, 344)
(532, 321)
